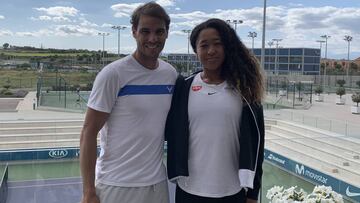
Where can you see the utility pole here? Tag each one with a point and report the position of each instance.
(348, 38)
(103, 34)
(326, 39)
(188, 50)
(235, 22)
(252, 35)
(118, 28)
(276, 55)
(321, 42)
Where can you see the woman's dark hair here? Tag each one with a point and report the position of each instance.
(150, 9)
(240, 68)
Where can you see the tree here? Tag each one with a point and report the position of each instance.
(353, 67)
(6, 45)
(356, 98)
(340, 91)
(318, 90)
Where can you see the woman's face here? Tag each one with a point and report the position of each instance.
(210, 49)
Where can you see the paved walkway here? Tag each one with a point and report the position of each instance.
(326, 115)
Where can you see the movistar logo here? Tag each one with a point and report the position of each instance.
(351, 194)
(300, 169)
(58, 153)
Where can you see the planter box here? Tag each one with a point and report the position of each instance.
(319, 98)
(355, 109)
(282, 92)
(340, 101)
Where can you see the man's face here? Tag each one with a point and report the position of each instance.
(150, 36)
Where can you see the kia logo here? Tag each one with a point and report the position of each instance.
(58, 153)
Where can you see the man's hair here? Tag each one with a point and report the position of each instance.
(150, 9)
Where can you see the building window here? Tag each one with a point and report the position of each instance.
(296, 51)
(312, 52)
(283, 66)
(295, 67)
(269, 51)
(284, 59)
(294, 59)
(283, 52)
(311, 59)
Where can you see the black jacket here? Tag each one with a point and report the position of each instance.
(251, 139)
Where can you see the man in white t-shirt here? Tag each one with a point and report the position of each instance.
(128, 106)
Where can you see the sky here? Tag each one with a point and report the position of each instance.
(66, 24)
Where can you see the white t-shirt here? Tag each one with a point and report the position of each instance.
(214, 115)
(138, 100)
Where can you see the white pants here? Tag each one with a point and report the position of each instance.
(157, 193)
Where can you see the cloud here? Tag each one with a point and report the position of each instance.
(124, 10)
(177, 8)
(107, 25)
(59, 11)
(2, 17)
(178, 32)
(5, 33)
(40, 33)
(166, 3)
(74, 30)
(87, 23)
(56, 19)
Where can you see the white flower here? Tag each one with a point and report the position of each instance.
(320, 194)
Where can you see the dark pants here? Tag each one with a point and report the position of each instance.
(183, 197)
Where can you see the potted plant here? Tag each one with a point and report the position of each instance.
(356, 98)
(340, 100)
(282, 91)
(318, 97)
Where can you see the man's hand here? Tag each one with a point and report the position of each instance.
(91, 198)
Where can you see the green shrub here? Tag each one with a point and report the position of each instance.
(356, 98)
(340, 91)
(318, 90)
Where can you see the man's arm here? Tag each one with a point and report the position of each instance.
(94, 121)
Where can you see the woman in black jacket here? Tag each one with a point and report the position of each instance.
(215, 127)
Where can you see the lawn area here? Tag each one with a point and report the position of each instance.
(28, 78)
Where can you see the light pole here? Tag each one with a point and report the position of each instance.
(276, 55)
(188, 50)
(235, 22)
(326, 38)
(252, 35)
(118, 28)
(103, 34)
(270, 43)
(321, 42)
(348, 38)
(263, 38)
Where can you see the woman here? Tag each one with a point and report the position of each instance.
(215, 127)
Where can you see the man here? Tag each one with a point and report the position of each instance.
(128, 105)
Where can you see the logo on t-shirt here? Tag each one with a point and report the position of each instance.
(196, 88)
